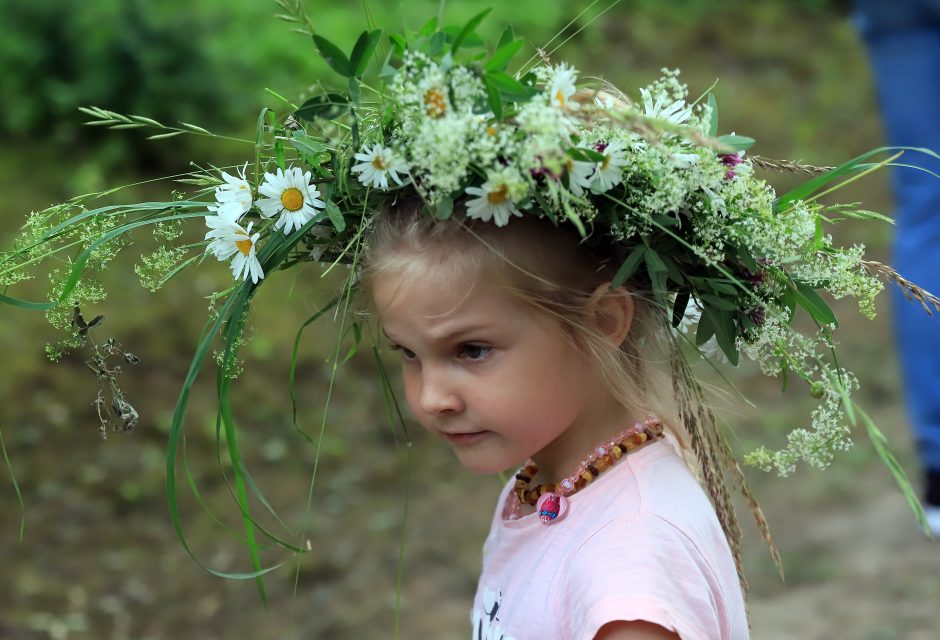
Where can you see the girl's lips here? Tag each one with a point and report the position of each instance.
(465, 438)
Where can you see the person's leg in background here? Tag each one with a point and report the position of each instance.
(903, 38)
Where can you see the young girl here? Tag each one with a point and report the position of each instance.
(514, 348)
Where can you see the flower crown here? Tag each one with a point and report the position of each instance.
(730, 260)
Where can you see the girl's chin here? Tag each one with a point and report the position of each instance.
(485, 462)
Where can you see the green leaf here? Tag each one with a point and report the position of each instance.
(469, 28)
(307, 145)
(747, 259)
(502, 57)
(818, 234)
(436, 43)
(507, 36)
(494, 99)
(629, 266)
(679, 306)
(713, 124)
(428, 27)
(508, 85)
(707, 325)
(336, 216)
(664, 220)
(725, 333)
(355, 96)
(444, 208)
(333, 56)
(584, 155)
(472, 41)
(328, 107)
(279, 153)
(807, 298)
(363, 50)
(398, 43)
(736, 143)
(657, 270)
(718, 302)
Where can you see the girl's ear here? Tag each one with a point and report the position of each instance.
(611, 312)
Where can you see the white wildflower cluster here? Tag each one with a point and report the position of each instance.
(828, 434)
(780, 237)
(842, 273)
(775, 345)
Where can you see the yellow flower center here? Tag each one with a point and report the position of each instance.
(605, 162)
(499, 196)
(435, 103)
(491, 130)
(379, 163)
(244, 246)
(560, 96)
(292, 199)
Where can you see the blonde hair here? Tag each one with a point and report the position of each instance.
(548, 268)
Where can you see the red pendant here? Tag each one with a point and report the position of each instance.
(551, 508)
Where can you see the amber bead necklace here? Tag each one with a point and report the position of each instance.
(550, 499)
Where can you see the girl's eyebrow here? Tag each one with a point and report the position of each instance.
(451, 334)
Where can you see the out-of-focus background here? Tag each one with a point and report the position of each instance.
(100, 559)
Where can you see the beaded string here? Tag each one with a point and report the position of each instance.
(599, 460)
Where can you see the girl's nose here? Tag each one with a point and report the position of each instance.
(438, 395)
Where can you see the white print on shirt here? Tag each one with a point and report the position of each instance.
(485, 621)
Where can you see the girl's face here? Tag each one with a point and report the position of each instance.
(497, 380)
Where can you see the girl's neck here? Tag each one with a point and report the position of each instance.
(599, 423)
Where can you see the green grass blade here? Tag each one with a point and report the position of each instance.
(25, 304)
(292, 388)
(238, 466)
(16, 486)
(209, 333)
(881, 447)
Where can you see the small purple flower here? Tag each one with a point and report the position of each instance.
(731, 160)
(600, 147)
(758, 316)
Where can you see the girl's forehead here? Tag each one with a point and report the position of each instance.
(424, 295)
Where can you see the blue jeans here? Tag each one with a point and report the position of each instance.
(903, 38)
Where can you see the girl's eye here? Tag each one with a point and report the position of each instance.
(406, 354)
(474, 352)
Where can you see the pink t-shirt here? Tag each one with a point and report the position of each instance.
(641, 542)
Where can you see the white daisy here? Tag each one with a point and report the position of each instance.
(290, 194)
(231, 239)
(580, 175)
(609, 172)
(562, 86)
(233, 197)
(492, 201)
(675, 112)
(377, 164)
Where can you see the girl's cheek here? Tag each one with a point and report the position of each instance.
(412, 390)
